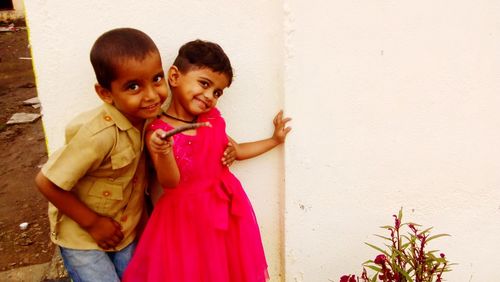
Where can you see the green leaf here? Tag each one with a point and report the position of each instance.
(383, 237)
(425, 231)
(405, 245)
(378, 249)
(387, 227)
(400, 214)
(374, 278)
(437, 236)
(440, 260)
(372, 267)
(401, 271)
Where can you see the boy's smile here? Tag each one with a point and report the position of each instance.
(139, 89)
(196, 91)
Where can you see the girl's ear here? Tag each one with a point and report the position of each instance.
(104, 93)
(173, 76)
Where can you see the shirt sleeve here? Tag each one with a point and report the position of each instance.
(83, 153)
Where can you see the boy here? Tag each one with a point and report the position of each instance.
(95, 183)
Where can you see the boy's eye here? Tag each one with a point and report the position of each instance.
(204, 84)
(133, 87)
(158, 78)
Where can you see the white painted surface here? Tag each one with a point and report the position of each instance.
(62, 33)
(395, 103)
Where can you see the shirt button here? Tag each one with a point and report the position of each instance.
(107, 118)
(189, 143)
(106, 193)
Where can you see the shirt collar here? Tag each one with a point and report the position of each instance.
(120, 120)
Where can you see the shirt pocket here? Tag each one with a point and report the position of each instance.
(123, 158)
(105, 197)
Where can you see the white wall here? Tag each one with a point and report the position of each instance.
(62, 33)
(394, 105)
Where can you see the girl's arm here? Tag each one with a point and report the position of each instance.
(252, 149)
(163, 159)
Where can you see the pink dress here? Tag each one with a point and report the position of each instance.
(203, 230)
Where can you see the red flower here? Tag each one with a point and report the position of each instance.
(397, 222)
(442, 255)
(348, 278)
(380, 259)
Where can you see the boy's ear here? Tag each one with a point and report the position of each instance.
(173, 76)
(103, 93)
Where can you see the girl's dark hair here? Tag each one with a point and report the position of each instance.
(114, 46)
(204, 54)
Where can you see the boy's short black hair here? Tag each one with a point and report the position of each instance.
(113, 46)
(204, 54)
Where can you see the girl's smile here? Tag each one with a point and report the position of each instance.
(195, 92)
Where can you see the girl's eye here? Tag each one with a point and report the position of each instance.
(217, 94)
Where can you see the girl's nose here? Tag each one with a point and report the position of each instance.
(207, 95)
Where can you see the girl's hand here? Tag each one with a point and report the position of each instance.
(229, 154)
(159, 146)
(280, 129)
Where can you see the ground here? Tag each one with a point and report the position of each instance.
(23, 151)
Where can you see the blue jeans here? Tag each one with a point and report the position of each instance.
(94, 265)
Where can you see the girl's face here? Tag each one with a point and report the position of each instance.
(196, 91)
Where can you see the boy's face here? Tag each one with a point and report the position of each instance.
(196, 91)
(139, 89)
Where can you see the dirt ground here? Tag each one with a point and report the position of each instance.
(23, 151)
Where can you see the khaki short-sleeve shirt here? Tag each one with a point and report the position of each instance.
(102, 162)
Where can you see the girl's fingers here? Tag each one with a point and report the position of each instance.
(277, 118)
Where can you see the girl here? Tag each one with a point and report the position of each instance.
(204, 229)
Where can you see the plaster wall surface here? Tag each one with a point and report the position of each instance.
(395, 104)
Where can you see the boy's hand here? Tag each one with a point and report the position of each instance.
(106, 232)
(157, 145)
(229, 154)
(280, 129)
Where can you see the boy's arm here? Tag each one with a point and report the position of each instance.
(252, 149)
(160, 150)
(105, 231)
